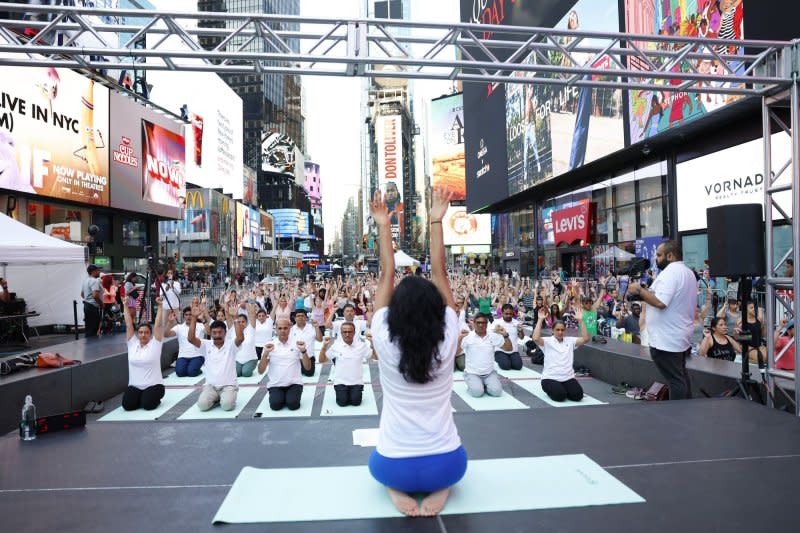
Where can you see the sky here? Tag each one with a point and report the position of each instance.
(332, 104)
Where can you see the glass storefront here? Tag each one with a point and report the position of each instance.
(134, 232)
(68, 223)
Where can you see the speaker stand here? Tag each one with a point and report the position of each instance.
(747, 387)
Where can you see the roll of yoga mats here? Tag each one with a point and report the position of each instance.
(170, 400)
(490, 485)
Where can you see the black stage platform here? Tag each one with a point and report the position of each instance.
(701, 465)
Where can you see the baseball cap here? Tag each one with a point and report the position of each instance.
(789, 325)
(92, 268)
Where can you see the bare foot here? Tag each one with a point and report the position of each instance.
(404, 503)
(434, 502)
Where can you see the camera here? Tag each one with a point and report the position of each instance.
(635, 271)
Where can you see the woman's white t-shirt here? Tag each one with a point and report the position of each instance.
(185, 348)
(417, 419)
(263, 332)
(144, 363)
(558, 359)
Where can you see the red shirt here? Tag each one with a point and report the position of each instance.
(786, 362)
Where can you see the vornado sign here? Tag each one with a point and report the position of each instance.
(732, 176)
(389, 136)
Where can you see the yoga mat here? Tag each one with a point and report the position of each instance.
(492, 485)
(255, 379)
(244, 395)
(523, 373)
(315, 377)
(486, 402)
(170, 400)
(368, 407)
(535, 388)
(366, 377)
(173, 380)
(306, 403)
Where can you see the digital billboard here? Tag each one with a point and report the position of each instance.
(253, 237)
(197, 219)
(54, 134)
(290, 223)
(249, 196)
(267, 231)
(447, 145)
(147, 153)
(313, 184)
(214, 150)
(461, 228)
(654, 111)
(389, 138)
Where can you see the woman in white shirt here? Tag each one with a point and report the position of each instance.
(264, 329)
(558, 376)
(414, 333)
(145, 384)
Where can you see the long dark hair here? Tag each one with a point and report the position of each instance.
(416, 321)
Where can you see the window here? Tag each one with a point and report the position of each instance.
(651, 216)
(66, 223)
(626, 223)
(650, 188)
(134, 232)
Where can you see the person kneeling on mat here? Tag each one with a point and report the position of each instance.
(350, 355)
(220, 369)
(480, 347)
(558, 376)
(145, 384)
(415, 332)
(309, 334)
(285, 385)
(190, 358)
(246, 356)
(510, 359)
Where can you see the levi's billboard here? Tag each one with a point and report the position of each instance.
(573, 224)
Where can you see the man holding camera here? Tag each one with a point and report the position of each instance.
(670, 319)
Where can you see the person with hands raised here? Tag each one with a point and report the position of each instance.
(283, 356)
(349, 355)
(415, 331)
(220, 365)
(145, 383)
(480, 347)
(558, 376)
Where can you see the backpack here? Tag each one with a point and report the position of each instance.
(534, 351)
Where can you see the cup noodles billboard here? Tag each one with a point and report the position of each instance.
(54, 134)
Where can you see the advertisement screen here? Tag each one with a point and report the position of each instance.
(389, 137)
(461, 228)
(652, 112)
(254, 236)
(731, 176)
(551, 130)
(267, 231)
(290, 223)
(313, 184)
(249, 190)
(196, 222)
(242, 227)
(147, 160)
(486, 161)
(54, 134)
(447, 145)
(214, 150)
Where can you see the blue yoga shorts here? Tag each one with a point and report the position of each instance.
(427, 473)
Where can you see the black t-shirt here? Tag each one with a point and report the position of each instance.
(721, 351)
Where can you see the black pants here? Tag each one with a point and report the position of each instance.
(310, 371)
(562, 390)
(91, 318)
(259, 349)
(280, 397)
(348, 394)
(147, 399)
(508, 361)
(672, 366)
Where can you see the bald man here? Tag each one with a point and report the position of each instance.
(283, 356)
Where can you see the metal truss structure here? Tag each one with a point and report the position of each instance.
(259, 43)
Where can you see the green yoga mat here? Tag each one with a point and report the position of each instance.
(306, 404)
(523, 373)
(170, 400)
(486, 402)
(315, 377)
(173, 380)
(368, 407)
(243, 396)
(492, 485)
(535, 388)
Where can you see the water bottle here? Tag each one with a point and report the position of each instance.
(27, 427)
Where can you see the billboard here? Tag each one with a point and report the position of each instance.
(197, 219)
(267, 231)
(147, 160)
(447, 145)
(461, 228)
(389, 138)
(651, 112)
(291, 223)
(242, 227)
(278, 154)
(313, 184)
(253, 236)
(214, 150)
(53, 134)
(249, 196)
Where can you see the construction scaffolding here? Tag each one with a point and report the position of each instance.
(465, 52)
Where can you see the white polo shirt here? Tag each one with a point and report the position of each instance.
(264, 331)
(417, 419)
(284, 364)
(670, 329)
(308, 335)
(361, 327)
(479, 352)
(513, 336)
(247, 350)
(350, 359)
(220, 365)
(144, 363)
(558, 359)
(185, 348)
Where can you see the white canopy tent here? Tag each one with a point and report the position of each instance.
(402, 260)
(46, 272)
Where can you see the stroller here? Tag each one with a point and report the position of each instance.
(111, 319)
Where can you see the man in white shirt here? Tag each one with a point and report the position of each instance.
(480, 346)
(349, 316)
(670, 318)
(349, 355)
(510, 359)
(283, 356)
(303, 331)
(220, 366)
(190, 357)
(170, 292)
